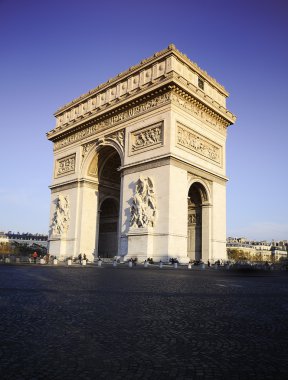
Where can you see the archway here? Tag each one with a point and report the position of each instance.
(108, 228)
(197, 195)
(109, 199)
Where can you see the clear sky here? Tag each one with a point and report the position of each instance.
(54, 51)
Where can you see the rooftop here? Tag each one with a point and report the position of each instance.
(143, 63)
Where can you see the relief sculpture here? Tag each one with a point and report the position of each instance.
(60, 222)
(194, 219)
(146, 138)
(149, 137)
(143, 209)
(86, 148)
(191, 140)
(118, 137)
(65, 165)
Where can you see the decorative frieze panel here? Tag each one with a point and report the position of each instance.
(65, 165)
(114, 120)
(189, 104)
(146, 138)
(193, 141)
(201, 112)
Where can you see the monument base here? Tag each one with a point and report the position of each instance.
(140, 244)
(57, 247)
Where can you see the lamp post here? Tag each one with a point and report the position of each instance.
(273, 248)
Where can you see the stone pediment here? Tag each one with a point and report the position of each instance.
(156, 74)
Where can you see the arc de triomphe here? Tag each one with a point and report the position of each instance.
(139, 165)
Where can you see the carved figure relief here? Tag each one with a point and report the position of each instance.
(197, 143)
(65, 165)
(194, 219)
(118, 137)
(86, 148)
(143, 209)
(112, 121)
(146, 138)
(61, 219)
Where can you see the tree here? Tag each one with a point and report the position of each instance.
(258, 257)
(238, 254)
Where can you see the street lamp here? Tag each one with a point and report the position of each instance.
(273, 248)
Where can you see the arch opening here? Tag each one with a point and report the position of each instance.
(108, 162)
(108, 228)
(197, 195)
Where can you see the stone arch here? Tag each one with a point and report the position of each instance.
(198, 221)
(110, 160)
(109, 187)
(104, 198)
(108, 227)
(90, 152)
(203, 187)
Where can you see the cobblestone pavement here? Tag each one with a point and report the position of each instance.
(142, 323)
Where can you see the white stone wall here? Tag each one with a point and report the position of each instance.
(205, 134)
(156, 118)
(178, 194)
(87, 221)
(63, 245)
(219, 222)
(160, 178)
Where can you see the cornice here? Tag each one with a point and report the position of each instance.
(192, 101)
(171, 49)
(111, 108)
(202, 73)
(164, 67)
(212, 116)
(169, 159)
(115, 117)
(192, 93)
(197, 169)
(171, 94)
(72, 184)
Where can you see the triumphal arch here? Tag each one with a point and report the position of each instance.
(139, 165)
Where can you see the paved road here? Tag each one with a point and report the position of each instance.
(122, 323)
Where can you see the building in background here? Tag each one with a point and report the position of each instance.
(22, 243)
(257, 250)
(28, 238)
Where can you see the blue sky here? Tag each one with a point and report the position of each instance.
(54, 51)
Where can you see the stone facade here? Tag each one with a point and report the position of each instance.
(140, 165)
